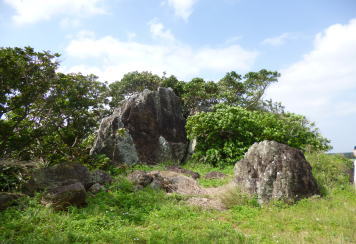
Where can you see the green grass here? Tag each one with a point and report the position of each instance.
(123, 215)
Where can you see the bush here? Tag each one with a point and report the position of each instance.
(14, 173)
(330, 171)
(225, 134)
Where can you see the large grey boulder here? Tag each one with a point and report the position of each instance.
(274, 171)
(58, 175)
(147, 127)
(61, 197)
(66, 184)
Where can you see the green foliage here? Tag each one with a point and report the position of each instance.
(10, 178)
(14, 173)
(123, 215)
(246, 91)
(46, 114)
(131, 83)
(200, 95)
(235, 197)
(225, 134)
(330, 171)
(25, 77)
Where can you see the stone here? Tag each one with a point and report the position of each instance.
(147, 127)
(181, 170)
(162, 183)
(96, 188)
(100, 177)
(58, 175)
(140, 178)
(167, 181)
(8, 199)
(61, 197)
(274, 171)
(215, 175)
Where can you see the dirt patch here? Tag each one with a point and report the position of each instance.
(206, 203)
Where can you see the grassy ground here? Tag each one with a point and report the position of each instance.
(123, 215)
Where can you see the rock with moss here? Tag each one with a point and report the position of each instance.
(275, 171)
(61, 197)
(8, 199)
(147, 127)
(58, 175)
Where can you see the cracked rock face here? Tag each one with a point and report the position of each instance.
(274, 171)
(147, 127)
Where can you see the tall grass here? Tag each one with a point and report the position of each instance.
(124, 215)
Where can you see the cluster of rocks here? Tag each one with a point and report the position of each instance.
(63, 185)
(149, 128)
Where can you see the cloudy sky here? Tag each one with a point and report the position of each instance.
(312, 43)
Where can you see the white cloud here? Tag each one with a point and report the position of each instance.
(158, 31)
(279, 40)
(114, 58)
(182, 8)
(31, 11)
(323, 84)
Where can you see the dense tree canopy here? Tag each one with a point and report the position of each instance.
(200, 95)
(44, 113)
(47, 114)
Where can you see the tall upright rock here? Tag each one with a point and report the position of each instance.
(148, 127)
(275, 171)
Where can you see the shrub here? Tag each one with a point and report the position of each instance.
(330, 171)
(225, 134)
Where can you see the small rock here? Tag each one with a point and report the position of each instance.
(100, 177)
(96, 188)
(61, 197)
(215, 175)
(140, 178)
(162, 183)
(180, 170)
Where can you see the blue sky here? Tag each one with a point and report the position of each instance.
(311, 42)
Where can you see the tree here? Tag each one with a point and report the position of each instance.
(44, 113)
(69, 113)
(25, 77)
(131, 83)
(246, 92)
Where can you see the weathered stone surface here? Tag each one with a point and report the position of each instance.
(140, 178)
(147, 127)
(100, 177)
(61, 197)
(163, 183)
(8, 199)
(96, 188)
(181, 170)
(215, 175)
(58, 175)
(274, 171)
(166, 180)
